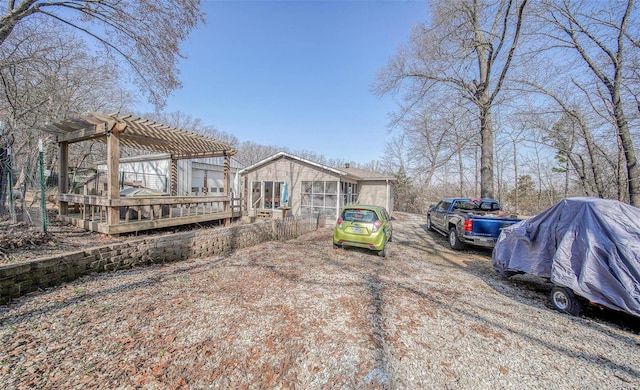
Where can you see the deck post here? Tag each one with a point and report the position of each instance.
(113, 169)
(63, 178)
(173, 176)
(227, 187)
(205, 185)
(245, 202)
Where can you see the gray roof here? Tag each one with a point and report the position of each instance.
(365, 174)
(355, 173)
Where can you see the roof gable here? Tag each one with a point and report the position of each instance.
(355, 173)
(280, 155)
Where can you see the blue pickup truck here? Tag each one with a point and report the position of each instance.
(471, 221)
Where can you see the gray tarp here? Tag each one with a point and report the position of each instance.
(589, 245)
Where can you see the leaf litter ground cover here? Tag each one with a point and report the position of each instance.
(299, 314)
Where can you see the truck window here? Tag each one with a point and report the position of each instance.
(443, 206)
(465, 206)
(490, 206)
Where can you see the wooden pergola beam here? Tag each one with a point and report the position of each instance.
(84, 134)
(141, 134)
(138, 133)
(179, 156)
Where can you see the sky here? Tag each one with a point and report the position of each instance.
(296, 74)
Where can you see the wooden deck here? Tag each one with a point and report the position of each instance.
(131, 214)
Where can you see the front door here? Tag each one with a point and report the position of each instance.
(266, 195)
(272, 193)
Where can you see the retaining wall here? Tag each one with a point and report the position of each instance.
(19, 279)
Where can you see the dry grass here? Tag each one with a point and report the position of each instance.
(299, 314)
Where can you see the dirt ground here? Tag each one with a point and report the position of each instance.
(21, 242)
(300, 314)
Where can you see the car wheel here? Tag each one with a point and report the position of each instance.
(390, 236)
(336, 246)
(454, 240)
(429, 225)
(564, 300)
(383, 252)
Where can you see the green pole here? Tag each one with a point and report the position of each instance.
(43, 202)
(12, 206)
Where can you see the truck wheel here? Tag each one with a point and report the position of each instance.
(454, 240)
(565, 301)
(429, 225)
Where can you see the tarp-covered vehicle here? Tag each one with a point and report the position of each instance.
(587, 247)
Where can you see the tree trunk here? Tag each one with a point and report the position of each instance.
(633, 171)
(566, 178)
(593, 161)
(515, 174)
(621, 176)
(476, 174)
(486, 158)
(4, 184)
(460, 170)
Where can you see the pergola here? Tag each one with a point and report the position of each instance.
(112, 214)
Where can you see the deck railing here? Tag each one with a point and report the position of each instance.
(145, 212)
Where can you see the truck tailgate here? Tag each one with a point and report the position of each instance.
(491, 226)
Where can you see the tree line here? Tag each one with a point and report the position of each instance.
(523, 101)
(526, 101)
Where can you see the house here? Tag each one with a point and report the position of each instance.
(285, 183)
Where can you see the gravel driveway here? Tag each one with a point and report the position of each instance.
(300, 314)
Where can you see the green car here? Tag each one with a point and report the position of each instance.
(363, 226)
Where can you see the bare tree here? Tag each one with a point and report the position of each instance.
(515, 135)
(250, 152)
(145, 33)
(604, 36)
(181, 120)
(469, 48)
(44, 73)
(572, 119)
(429, 139)
(429, 143)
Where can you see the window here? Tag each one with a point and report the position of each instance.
(195, 190)
(256, 195)
(349, 193)
(443, 206)
(489, 206)
(359, 216)
(319, 197)
(265, 194)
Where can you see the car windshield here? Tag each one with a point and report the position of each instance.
(357, 215)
